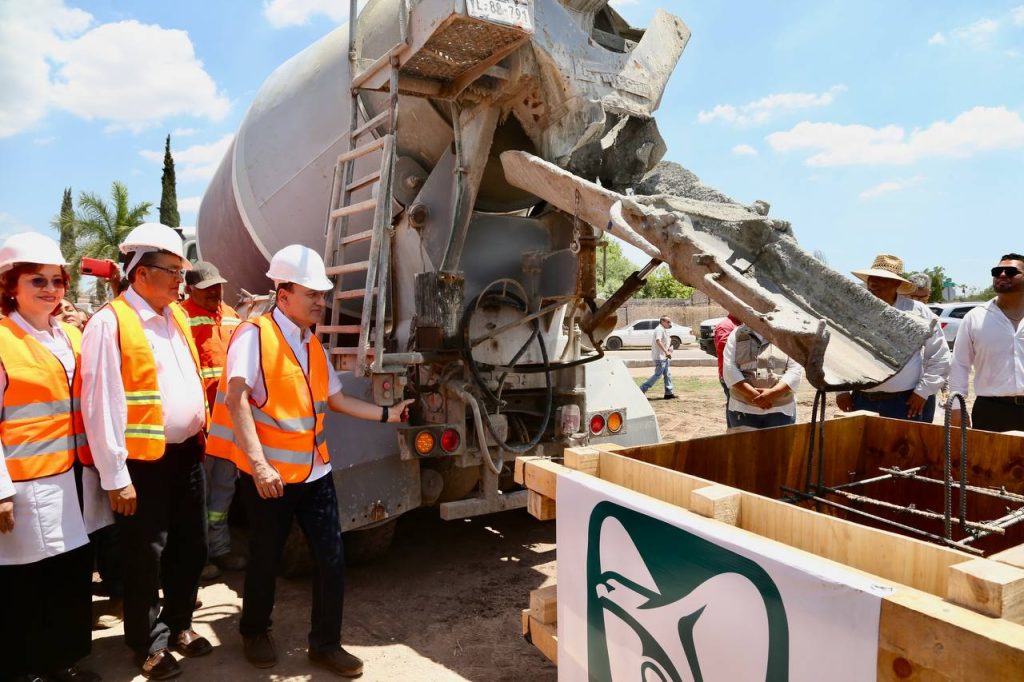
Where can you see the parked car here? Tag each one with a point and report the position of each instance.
(950, 314)
(641, 332)
(707, 335)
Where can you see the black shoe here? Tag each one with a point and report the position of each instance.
(159, 666)
(74, 674)
(259, 650)
(338, 661)
(670, 396)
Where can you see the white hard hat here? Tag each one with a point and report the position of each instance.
(299, 265)
(149, 237)
(30, 247)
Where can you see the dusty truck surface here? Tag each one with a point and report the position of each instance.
(458, 163)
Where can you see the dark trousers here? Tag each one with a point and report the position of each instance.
(106, 543)
(993, 414)
(760, 421)
(894, 408)
(163, 543)
(315, 507)
(46, 617)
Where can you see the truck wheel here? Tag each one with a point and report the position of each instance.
(613, 343)
(363, 546)
(676, 342)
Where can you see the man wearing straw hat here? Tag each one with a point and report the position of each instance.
(904, 395)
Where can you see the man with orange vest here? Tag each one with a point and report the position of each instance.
(269, 420)
(145, 415)
(212, 322)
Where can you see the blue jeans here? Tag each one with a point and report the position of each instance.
(760, 421)
(893, 408)
(220, 490)
(661, 368)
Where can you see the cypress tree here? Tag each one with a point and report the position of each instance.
(68, 247)
(169, 194)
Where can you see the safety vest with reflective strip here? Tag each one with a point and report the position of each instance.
(144, 431)
(290, 422)
(41, 426)
(211, 332)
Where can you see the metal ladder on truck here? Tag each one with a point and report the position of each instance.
(367, 357)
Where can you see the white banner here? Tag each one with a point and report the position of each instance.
(650, 592)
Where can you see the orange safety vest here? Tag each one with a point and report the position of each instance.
(290, 422)
(41, 427)
(144, 431)
(211, 332)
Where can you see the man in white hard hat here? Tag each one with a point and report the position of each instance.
(268, 420)
(145, 415)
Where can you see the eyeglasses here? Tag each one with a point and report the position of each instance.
(40, 282)
(174, 272)
(1007, 270)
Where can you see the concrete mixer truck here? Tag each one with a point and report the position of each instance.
(458, 163)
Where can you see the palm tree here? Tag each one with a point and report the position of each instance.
(100, 228)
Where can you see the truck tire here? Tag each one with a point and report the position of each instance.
(676, 342)
(613, 343)
(361, 546)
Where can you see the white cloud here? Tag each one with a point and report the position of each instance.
(128, 74)
(11, 224)
(744, 150)
(1017, 15)
(283, 13)
(937, 39)
(979, 129)
(979, 34)
(196, 163)
(761, 110)
(890, 186)
(44, 140)
(184, 132)
(189, 204)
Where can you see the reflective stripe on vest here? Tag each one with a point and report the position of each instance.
(41, 426)
(144, 429)
(289, 424)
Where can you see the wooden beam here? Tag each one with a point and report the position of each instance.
(608, 447)
(539, 475)
(718, 502)
(540, 507)
(1013, 556)
(544, 637)
(544, 604)
(991, 587)
(586, 460)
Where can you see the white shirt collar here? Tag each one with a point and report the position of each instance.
(23, 323)
(144, 310)
(290, 329)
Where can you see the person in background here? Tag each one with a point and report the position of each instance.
(906, 394)
(922, 288)
(212, 322)
(991, 341)
(69, 314)
(762, 382)
(145, 414)
(661, 353)
(721, 335)
(269, 421)
(45, 558)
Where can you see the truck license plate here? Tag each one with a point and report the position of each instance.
(508, 12)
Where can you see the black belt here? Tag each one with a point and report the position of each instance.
(878, 396)
(1005, 399)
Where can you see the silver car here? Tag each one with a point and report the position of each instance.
(950, 315)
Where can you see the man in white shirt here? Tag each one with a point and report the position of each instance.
(906, 394)
(661, 353)
(991, 340)
(152, 472)
(762, 382)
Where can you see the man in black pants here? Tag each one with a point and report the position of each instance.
(991, 339)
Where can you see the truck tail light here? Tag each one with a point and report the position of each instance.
(597, 424)
(424, 442)
(450, 440)
(615, 422)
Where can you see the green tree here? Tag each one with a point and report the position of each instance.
(101, 227)
(169, 193)
(64, 223)
(612, 268)
(661, 284)
(938, 275)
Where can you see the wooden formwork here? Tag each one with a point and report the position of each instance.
(951, 616)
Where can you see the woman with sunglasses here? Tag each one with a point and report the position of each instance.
(45, 558)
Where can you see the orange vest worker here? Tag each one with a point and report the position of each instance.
(290, 422)
(42, 429)
(211, 333)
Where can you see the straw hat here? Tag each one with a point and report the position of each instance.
(888, 267)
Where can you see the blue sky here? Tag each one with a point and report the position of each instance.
(874, 127)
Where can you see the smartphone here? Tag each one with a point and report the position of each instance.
(96, 267)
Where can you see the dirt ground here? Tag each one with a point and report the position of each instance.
(443, 604)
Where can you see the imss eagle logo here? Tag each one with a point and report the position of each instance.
(664, 605)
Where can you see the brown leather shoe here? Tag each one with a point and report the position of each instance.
(74, 674)
(160, 666)
(338, 661)
(259, 650)
(190, 644)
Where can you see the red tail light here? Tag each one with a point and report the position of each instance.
(450, 440)
(596, 424)
(942, 325)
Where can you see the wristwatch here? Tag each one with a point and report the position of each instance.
(384, 415)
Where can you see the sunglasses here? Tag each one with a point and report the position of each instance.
(40, 282)
(173, 272)
(1007, 270)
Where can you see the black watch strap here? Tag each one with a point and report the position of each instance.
(384, 415)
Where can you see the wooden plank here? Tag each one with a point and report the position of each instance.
(660, 483)
(586, 460)
(545, 638)
(921, 637)
(540, 507)
(718, 502)
(544, 604)
(540, 476)
(1013, 556)
(990, 587)
(526, 624)
(608, 447)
